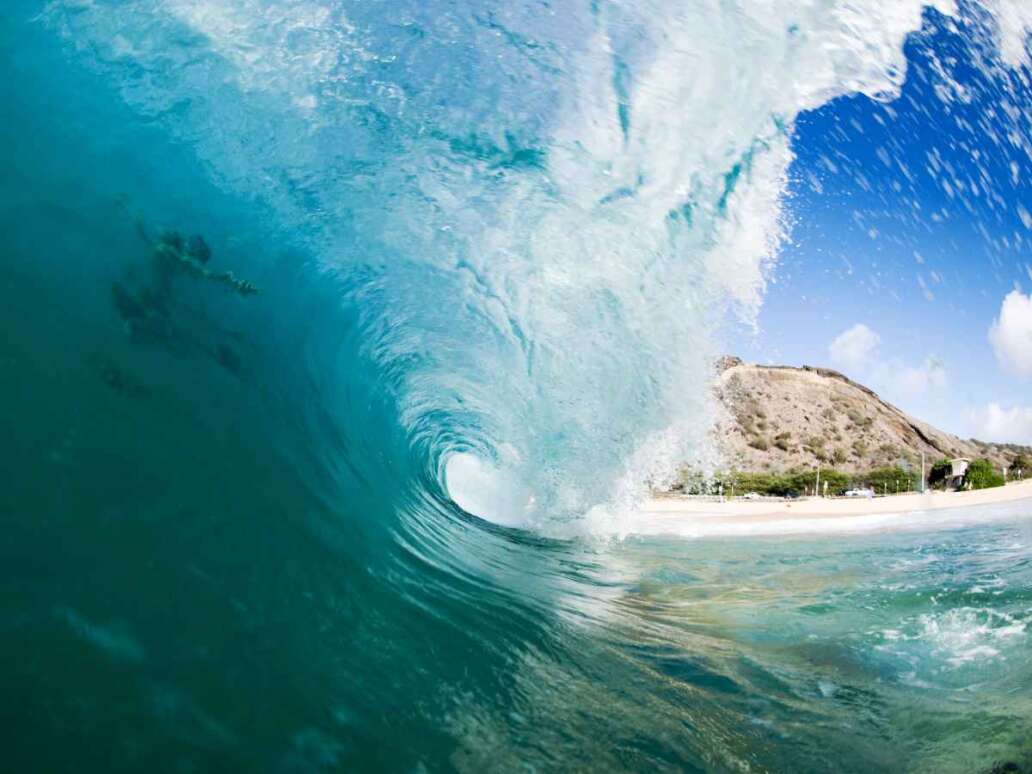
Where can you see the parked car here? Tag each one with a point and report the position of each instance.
(751, 496)
(859, 493)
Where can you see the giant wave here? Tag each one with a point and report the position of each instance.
(544, 216)
(497, 245)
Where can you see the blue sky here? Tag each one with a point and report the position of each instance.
(911, 227)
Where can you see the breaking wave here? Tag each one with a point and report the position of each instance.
(541, 218)
(496, 247)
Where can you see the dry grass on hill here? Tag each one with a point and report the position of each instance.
(781, 418)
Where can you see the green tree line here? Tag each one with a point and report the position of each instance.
(981, 474)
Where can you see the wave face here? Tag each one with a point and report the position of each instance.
(494, 246)
(542, 215)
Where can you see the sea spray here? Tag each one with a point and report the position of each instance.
(549, 245)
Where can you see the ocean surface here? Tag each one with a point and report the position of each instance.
(374, 516)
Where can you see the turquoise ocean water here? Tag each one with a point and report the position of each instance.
(229, 541)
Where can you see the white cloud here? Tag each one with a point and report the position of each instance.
(917, 388)
(1003, 425)
(930, 375)
(1011, 334)
(854, 348)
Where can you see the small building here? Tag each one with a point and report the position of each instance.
(958, 469)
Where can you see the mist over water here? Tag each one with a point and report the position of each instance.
(360, 519)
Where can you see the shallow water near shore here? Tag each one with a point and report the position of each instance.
(230, 545)
(905, 652)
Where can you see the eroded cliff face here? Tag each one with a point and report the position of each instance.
(780, 418)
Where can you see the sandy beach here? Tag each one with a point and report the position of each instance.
(698, 515)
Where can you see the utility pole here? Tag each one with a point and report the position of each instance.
(922, 472)
(817, 486)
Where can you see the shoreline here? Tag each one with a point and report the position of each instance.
(698, 516)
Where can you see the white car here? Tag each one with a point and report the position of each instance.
(859, 493)
(751, 496)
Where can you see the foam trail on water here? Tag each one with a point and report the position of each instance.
(543, 217)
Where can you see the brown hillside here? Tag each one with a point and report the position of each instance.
(781, 418)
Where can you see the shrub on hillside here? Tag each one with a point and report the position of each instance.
(889, 451)
(859, 420)
(889, 480)
(692, 481)
(982, 475)
(806, 481)
(1021, 466)
(761, 483)
(940, 473)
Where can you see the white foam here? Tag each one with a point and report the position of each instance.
(481, 488)
(1014, 18)
(963, 635)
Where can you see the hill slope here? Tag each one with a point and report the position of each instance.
(781, 418)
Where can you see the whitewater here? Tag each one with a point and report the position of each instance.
(379, 515)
